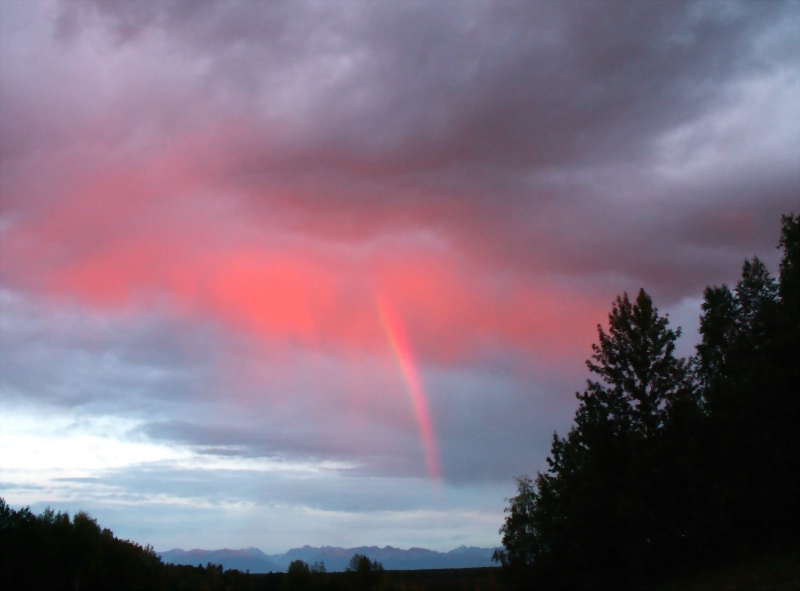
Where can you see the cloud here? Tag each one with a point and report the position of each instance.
(203, 204)
(483, 166)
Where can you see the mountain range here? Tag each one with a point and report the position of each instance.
(335, 559)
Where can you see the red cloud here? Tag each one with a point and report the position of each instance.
(161, 229)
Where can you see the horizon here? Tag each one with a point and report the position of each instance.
(331, 271)
(335, 559)
(305, 546)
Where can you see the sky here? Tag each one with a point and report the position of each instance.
(327, 273)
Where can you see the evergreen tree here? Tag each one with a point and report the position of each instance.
(672, 464)
(748, 368)
(640, 375)
(596, 519)
(363, 573)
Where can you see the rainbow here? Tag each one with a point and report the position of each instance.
(405, 361)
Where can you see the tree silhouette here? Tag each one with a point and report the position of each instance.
(521, 536)
(747, 365)
(53, 552)
(363, 572)
(640, 375)
(671, 464)
(593, 519)
(298, 575)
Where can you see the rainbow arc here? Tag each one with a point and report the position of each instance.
(398, 341)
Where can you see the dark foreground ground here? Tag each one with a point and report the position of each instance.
(466, 579)
(778, 572)
(775, 572)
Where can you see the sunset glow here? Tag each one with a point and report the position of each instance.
(299, 272)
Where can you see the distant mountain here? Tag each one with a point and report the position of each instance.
(335, 559)
(251, 559)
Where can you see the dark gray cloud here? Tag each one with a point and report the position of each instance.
(451, 86)
(510, 129)
(201, 200)
(66, 357)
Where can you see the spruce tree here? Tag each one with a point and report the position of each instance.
(596, 518)
(749, 371)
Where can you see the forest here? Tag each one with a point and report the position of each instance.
(671, 466)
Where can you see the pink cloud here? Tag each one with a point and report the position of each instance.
(131, 237)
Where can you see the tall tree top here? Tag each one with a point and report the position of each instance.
(636, 362)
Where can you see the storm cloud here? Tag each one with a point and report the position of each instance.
(211, 209)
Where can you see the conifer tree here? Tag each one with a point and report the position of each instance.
(671, 464)
(593, 519)
(747, 365)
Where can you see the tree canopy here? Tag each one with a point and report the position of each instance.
(672, 463)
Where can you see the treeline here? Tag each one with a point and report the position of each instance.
(673, 464)
(53, 552)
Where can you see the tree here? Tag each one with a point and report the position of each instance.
(748, 370)
(319, 568)
(298, 567)
(519, 530)
(593, 520)
(363, 572)
(298, 575)
(360, 563)
(52, 551)
(524, 540)
(672, 464)
(86, 547)
(640, 375)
